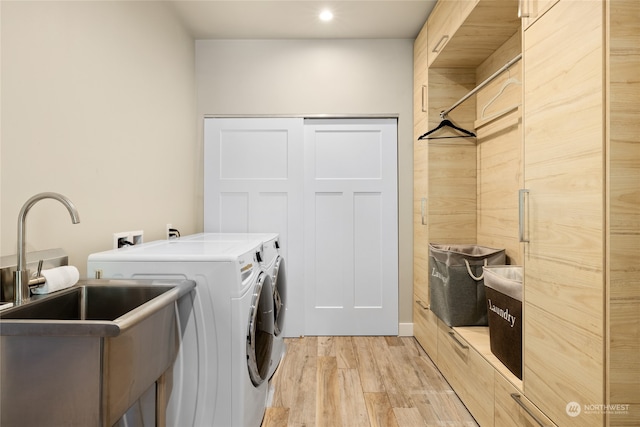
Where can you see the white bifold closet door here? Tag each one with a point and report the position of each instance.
(329, 187)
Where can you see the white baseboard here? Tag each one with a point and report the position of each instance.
(405, 329)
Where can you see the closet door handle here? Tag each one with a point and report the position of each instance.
(460, 343)
(424, 98)
(522, 194)
(518, 399)
(438, 47)
(423, 211)
(522, 11)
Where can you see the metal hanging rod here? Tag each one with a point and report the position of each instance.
(444, 113)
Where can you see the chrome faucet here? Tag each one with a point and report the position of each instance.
(21, 278)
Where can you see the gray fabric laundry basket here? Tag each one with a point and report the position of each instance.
(456, 285)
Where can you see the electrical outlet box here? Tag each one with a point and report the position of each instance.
(172, 233)
(127, 238)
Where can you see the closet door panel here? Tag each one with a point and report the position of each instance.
(351, 223)
(564, 278)
(420, 172)
(425, 327)
(253, 175)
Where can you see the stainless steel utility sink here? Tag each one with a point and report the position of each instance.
(87, 302)
(84, 355)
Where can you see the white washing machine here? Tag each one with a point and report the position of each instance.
(272, 262)
(221, 373)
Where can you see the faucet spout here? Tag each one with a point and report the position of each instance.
(21, 277)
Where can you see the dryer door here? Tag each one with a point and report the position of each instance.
(279, 295)
(260, 333)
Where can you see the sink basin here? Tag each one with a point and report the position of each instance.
(84, 355)
(87, 302)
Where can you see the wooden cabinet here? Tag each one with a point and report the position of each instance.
(573, 145)
(442, 24)
(569, 163)
(420, 169)
(463, 33)
(445, 170)
(564, 170)
(425, 334)
(445, 183)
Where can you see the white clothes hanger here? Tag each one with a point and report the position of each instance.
(509, 81)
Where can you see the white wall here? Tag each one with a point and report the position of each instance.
(314, 77)
(98, 103)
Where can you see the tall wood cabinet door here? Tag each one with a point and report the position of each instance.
(420, 171)
(564, 278)
(425, 331)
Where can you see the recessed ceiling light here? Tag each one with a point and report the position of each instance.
(326, 15)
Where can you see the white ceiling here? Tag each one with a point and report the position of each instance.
(279, 19)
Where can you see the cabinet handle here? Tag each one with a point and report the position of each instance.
(522, 13)
(424, 98)
(422, 305)
(460, 343)
(423, 211)
(517, 398)
(522, 194)
(440, 44)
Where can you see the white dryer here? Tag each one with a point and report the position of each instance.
(272, 262)
(220, 375)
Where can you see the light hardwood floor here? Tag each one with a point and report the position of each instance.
(361, 382)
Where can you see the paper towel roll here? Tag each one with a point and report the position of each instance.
(57, 279)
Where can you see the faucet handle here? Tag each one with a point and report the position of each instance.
(37, 280)
(39, 271)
